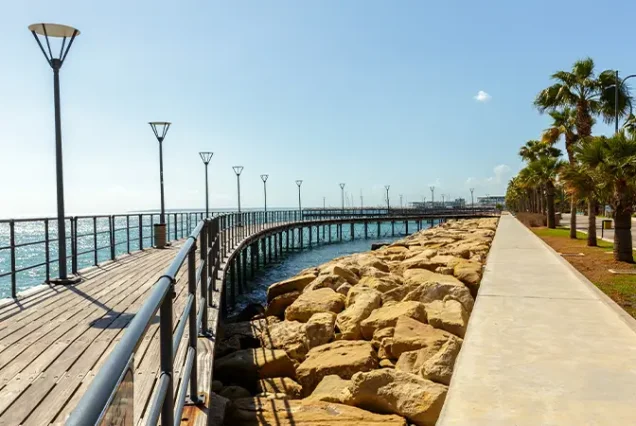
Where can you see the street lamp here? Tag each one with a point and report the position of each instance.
(300, 209)
(618, 82)
(401, 206)
(264, 179)
(206, 157)
(342, 185)
(160, 129)
(443, 200)
(388, 204)
(238, 170)
(472, 200)
(64, 32)
(432, 188)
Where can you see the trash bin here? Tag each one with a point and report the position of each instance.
(607, 223)
(160, 235)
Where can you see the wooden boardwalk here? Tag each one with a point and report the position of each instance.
(52, 343)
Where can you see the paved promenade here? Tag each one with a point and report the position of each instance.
(543, 347)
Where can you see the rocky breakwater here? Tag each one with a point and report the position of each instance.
(366, 339)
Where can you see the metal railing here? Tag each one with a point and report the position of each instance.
(29, 249)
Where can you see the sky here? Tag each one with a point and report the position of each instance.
(370, 93)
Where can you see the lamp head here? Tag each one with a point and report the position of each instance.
(237, 170)
(206, 157)
(342, 185)
(42, 31)
(299, 182)
(160, 129)
(264, 178)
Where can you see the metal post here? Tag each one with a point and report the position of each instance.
(238, 170)
(14, 293)
(165, 344)
(141, 232)
(162, 216)
(74, 245)
(342, 186)
(111, 229)
(192, 321)
(47, 250)
(205, 259)
(388, 203)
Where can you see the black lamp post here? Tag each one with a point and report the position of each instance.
(472, 200)
(618, 83)
(206, 157)
(66, 33)
(264, 179)
(160, 129)
(432, 188)
(388, 205)
(238, 170)
(401, 206)
(342, 186)
(300, 209)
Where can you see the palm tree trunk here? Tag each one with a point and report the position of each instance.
(591, 222)
(623, 235)
(549, 194)
(573, 218)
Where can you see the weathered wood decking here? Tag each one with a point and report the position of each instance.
(52, 343)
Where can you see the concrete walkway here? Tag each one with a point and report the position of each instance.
(544, 347)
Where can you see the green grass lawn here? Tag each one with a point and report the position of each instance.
(565, 233)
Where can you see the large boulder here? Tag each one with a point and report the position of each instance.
(280, 412)
(470, 274)
(332, 389)
(278, 305)
(361, 302)
(448, 315)
(343, 358)
(410, 334)
(280, 385)
(234, 392)
(297, 283)
(341, 271)
(320, 329)
(217, 409)
(420, 276)
(289, 336)
(439, 367)
(382, 341)
(313, 302)
(331, 281)
(383, 284)
(391, 391)
(241, 335)
(387, 316)
(246, 366)
(431, 291)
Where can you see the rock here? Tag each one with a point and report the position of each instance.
(234, 392)
(361, 301)
(383, 341)
(343, 358)
(420, 276)
(280, 385)
(279, 412)
(343, 272)
(240, 335)
(297, 283)
(344, 289)
(313, 302)
(410, 335)
(431, 291)
(412, 361)
(270, 396)
(246, 366)
(217, 409)
(386, 363)
(376, 246)
(380, 284)
(248, 313)
(444, 270)
(392, 391)
(470, 274)
(387, 316)
(323, 281)
(289, 336)
(448, 315)
(372, 262)
(332, 389)
(279, 304)
(439, 367)
(446, 260)
(320, 329)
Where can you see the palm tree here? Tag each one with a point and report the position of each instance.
(588, 95)
(544, 171)
(580, 183)
(614, 161)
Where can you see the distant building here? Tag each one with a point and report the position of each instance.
(457, 203)
(491, 201)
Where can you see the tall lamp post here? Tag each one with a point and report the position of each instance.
(206, 157)
(238, 170)
(472, 200)
(443, 200)
(342, 186)
(401, 205)
(300, 208)
(432, 188)
(264, 179)
(618, 82)
(64, 32)
(388, 204)
(160, 129)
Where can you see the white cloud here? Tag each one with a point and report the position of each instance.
(482, 96)
(496, 182)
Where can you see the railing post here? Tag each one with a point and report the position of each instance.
(128, 233)
(192, 322)
(141, 232)
(205, 261)
(111, 222)
(165, 344)
(175, 227)
(74, 245)
(47, 250)
(95, 257)
(12, 245)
